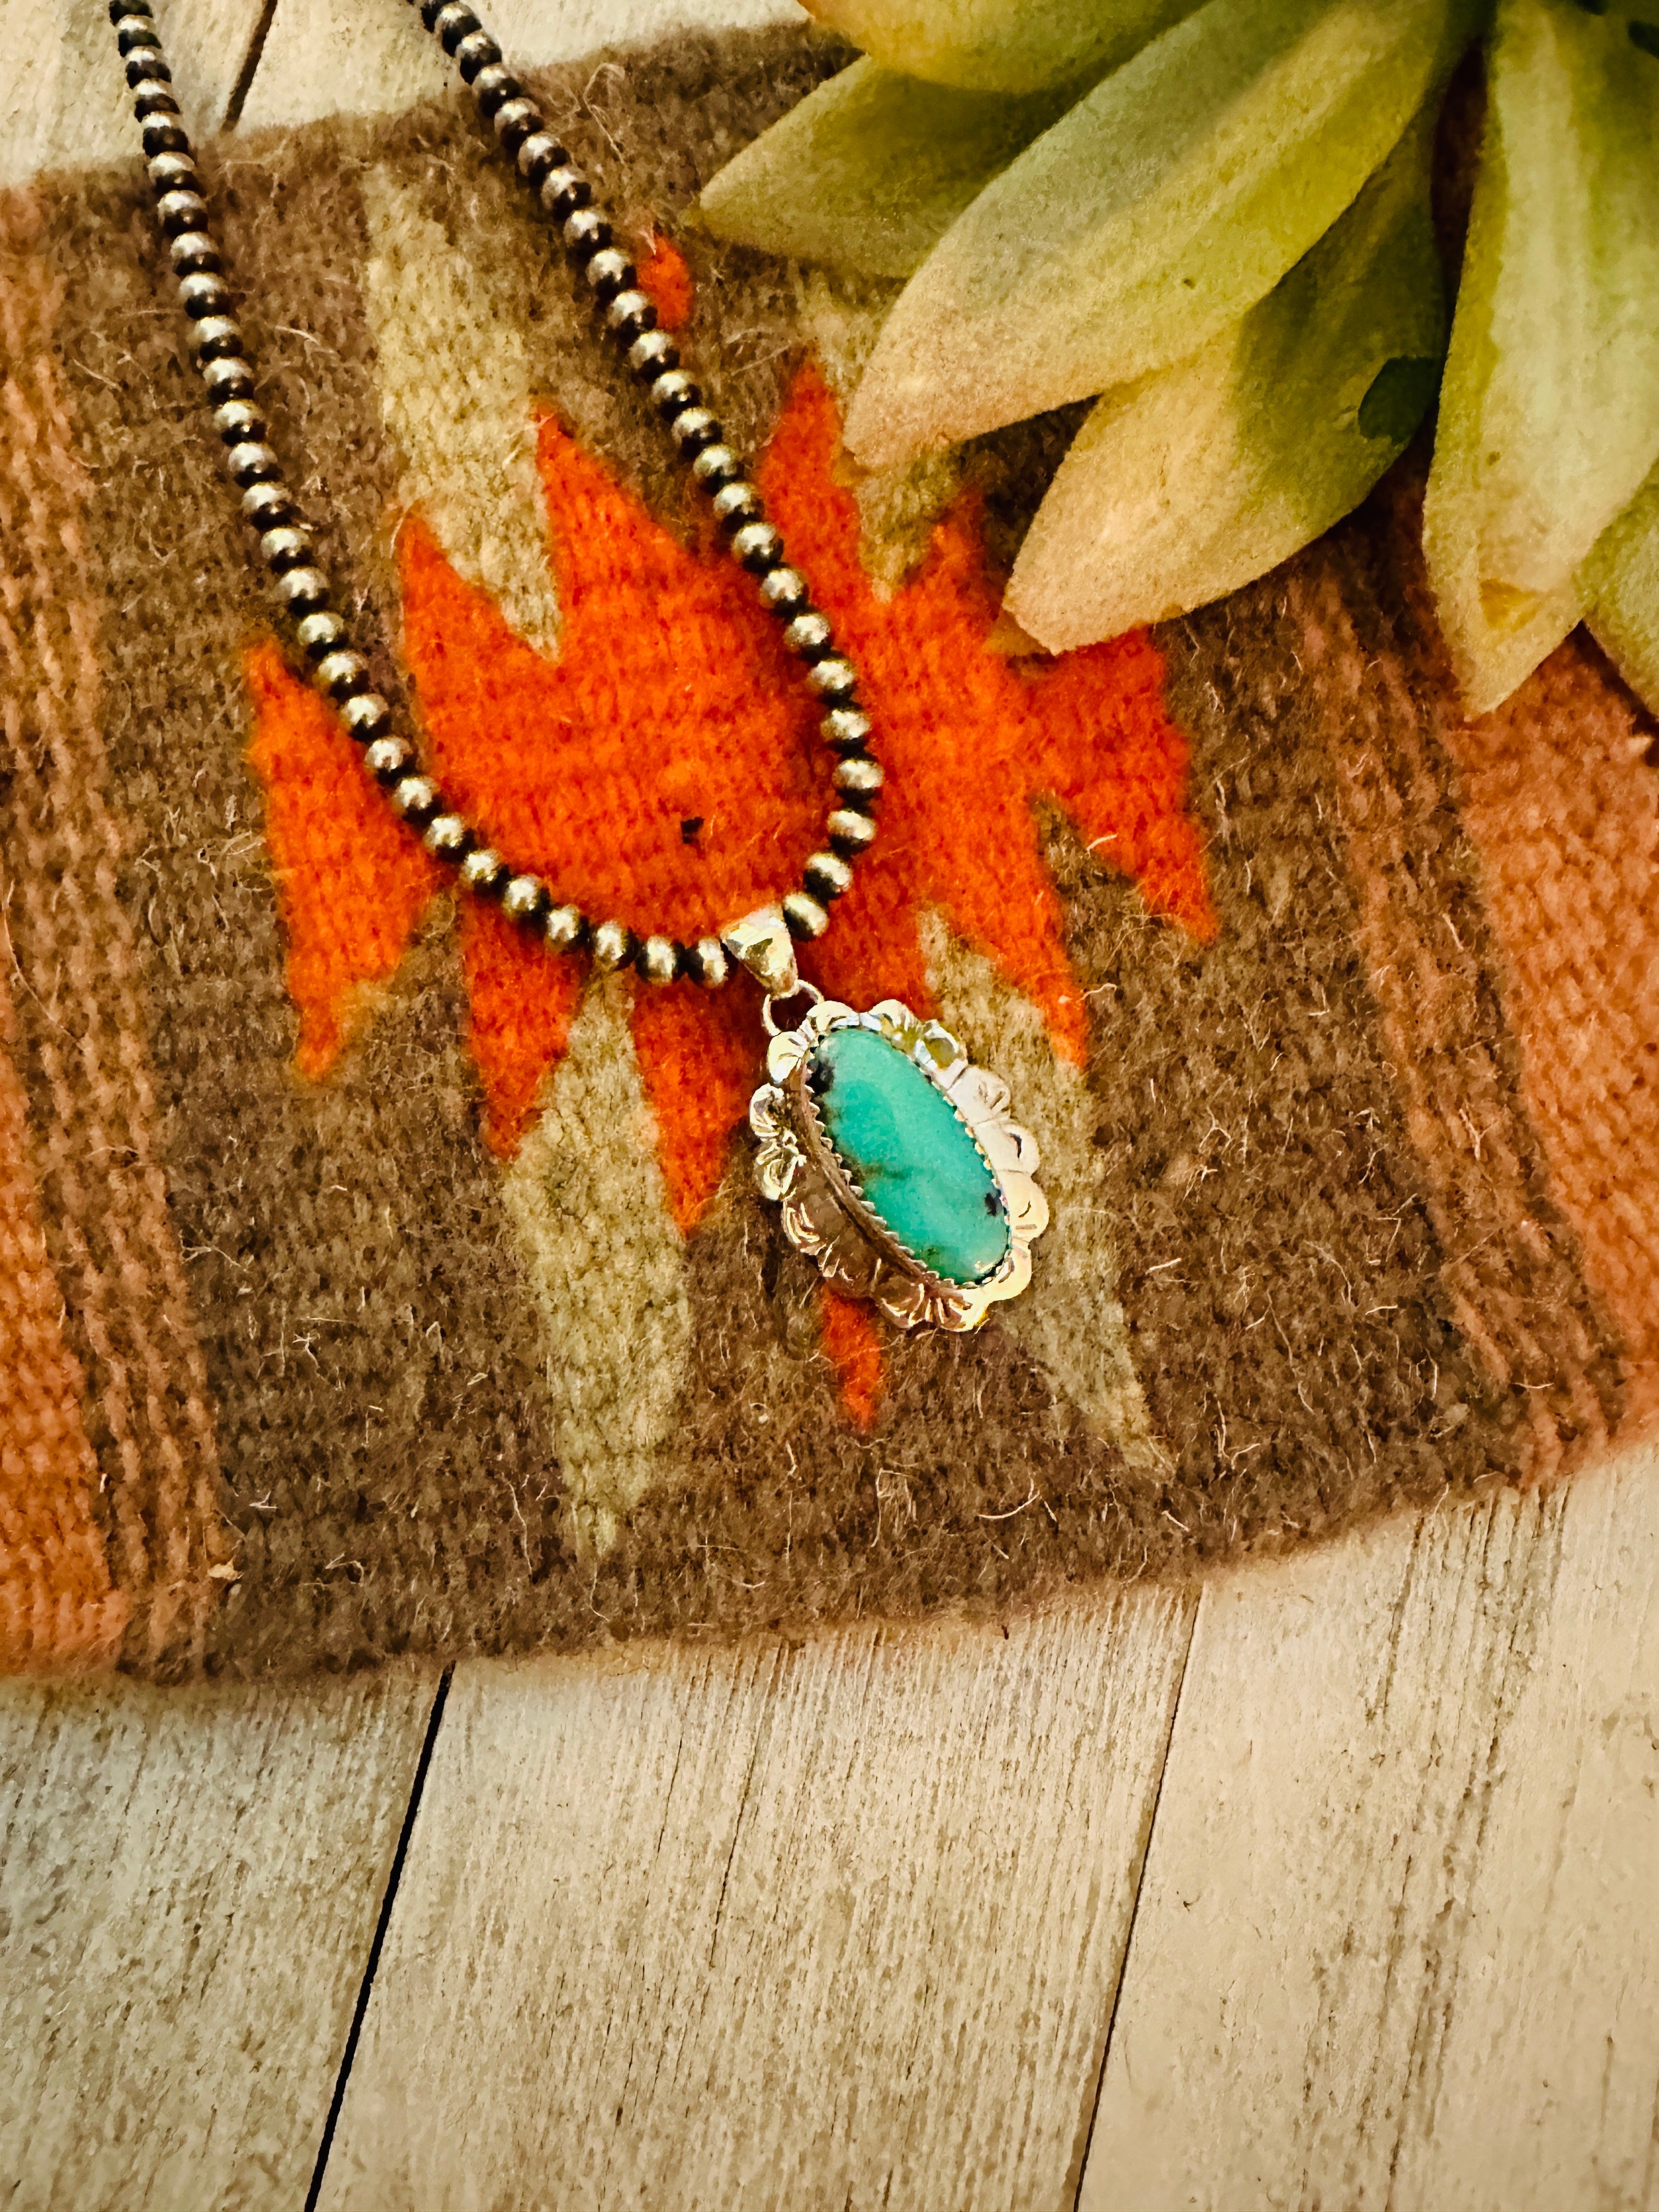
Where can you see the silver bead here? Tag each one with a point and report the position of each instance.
(833, 677)
(204, 293)
(784, 590)
(495, 83)
(850, 831)
(303, 590)
(253, 462)
(737, 502)
(238, 421)
(173, 172)
(163, 134)
(658, 959)
(609, 267)
(180, 211)
(524, 898)
(447, 837)
(716, 465)
(134, 30)
(193, 249)
(613, 945)
(540, 151)
(154, 100)
(674, 389)
(367, 717)
(693, 429)
(476, 51)
(564, 190)
(757, 545)
(858, 773)
(521, 116)
(416, 797)
(485, 871)
(845, 730)
(827, 875)
(648, 351)
(563, 928)
(805, 917)
(708, 963)
(340, 674)
(457, 16)
(214, 335)
(388, 758)
(583, 231)
(266, 505)
(321, 633)
(229, 377)
(808, 634)
(628, 306)
(287, 547)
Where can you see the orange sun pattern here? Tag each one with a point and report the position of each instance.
(663, 769)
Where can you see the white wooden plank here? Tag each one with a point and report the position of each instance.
(361, 56)
(189, 1886)
(834, 1926)
(63, 97)
(1398, 1936)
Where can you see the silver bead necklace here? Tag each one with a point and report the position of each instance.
(893, 1158)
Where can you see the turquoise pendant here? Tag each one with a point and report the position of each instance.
(896, 1164)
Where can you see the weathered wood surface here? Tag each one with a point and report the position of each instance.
(1398, 1942)
(189, 1886)
(63, 98)
(837, 1926)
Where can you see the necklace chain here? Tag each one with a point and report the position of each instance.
(629, 318)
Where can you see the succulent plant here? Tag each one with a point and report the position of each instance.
(1215, 221)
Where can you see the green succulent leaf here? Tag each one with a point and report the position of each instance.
(1183, 486)
(1163, 206)
(1000, 46)
(1553, 382)
(1621, 580)
(869, 170)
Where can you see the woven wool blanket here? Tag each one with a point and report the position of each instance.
(371, 1283)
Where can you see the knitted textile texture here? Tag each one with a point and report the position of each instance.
(373, 1282)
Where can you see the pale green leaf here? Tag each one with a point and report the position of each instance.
(869, 170)
(1161, 207)
(1622, 581)
(1000, 46)
(1181, 487)
(1566, 390)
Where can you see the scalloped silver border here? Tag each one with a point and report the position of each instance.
(823, 1214)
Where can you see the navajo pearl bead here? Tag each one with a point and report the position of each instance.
(149, 67)
(204, 293)
(586, 233)
(173, 172)
(525, 899)
(610, 271)
(846, 730)
(859, 773)
(809, 635)
(164, 134)
(367, 718)
(804, 917)
(675, 391)
(736, 504)
(154, 100)
(564, 190)
(539, 154)
(515, 121)
(133, 31)
(654, 354)
(476, 51)
(181, 211)
(493, 86)
(214, 337)
(340, 674)
(485, 871)
(193, 250)
(614, 946)
(303, 590)
(784, 590)
(658, 960)
(287, 547)
(630, 315)
(565, 928)
(850, 832)
(693, 429)
(448, 838)
(269, 505)
(253, 463)
(388, 760)
(758, 546)
(121, 10)
(453, 24)
(226, 376)
(826, 875)
(240, 422)
(321, 634)
(716, 465)
(417, 798)
(833, 677)
(706, 962)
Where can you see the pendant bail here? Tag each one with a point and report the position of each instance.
(762, 942)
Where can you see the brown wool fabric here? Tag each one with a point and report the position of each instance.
(297, 1371)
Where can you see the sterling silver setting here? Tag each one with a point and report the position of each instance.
(824, 1214)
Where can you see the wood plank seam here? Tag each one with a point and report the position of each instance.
(1074, 2194)
(388, 1906)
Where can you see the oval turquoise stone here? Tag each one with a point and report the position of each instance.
(904, 1146)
